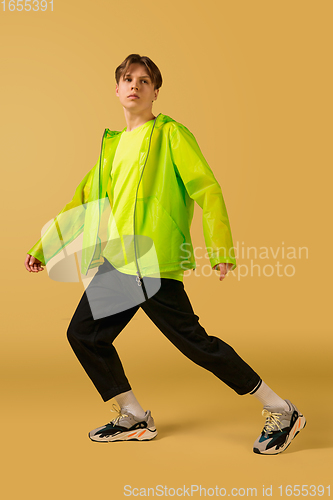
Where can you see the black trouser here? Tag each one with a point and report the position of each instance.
(171, 311)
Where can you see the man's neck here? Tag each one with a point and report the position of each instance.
(134, 121)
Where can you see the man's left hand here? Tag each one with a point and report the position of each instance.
(224, 268)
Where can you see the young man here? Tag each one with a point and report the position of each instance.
(151, 173)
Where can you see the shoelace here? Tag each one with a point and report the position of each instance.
(272, 420)
(120, 415)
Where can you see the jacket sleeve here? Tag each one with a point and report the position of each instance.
(202, 186)
(67, 225)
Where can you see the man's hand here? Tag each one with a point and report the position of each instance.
(224, 268)
(33, 264)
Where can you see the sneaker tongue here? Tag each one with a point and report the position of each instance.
(276, 409)
(128, 421)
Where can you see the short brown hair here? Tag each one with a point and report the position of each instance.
(152, 69)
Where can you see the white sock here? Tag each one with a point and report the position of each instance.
(268, 397)
(127, 401)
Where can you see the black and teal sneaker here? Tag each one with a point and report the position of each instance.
(125, 427)
(279, 430)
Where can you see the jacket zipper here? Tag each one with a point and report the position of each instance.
(99, 193)
(138, 278)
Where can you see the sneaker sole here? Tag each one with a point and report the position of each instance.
(138, 435)
(298, 426)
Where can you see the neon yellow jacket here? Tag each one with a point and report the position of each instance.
(173, 174)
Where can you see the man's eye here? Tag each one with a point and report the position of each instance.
(130, 79)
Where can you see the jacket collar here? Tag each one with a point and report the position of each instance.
(160, 120)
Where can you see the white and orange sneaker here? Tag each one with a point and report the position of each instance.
(125, 427)
(279, 430)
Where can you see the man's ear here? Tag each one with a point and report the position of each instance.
(156, 93)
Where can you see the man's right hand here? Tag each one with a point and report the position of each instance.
(33, 264)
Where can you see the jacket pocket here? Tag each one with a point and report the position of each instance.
(168, 237)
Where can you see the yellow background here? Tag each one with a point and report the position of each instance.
(253, 81)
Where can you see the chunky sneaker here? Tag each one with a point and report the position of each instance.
(279, 430)
(125, 427)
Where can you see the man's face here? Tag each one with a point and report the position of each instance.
(136, 81)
